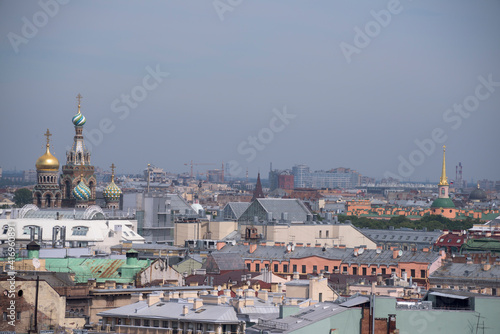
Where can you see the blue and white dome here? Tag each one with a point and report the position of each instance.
(81, 192)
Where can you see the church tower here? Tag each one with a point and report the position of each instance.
(46, 193)
(112, 192)
(443, 205)
(78, 171)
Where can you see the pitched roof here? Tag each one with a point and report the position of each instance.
(295, 209)
(347, 255)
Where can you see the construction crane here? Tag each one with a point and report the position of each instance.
(196, 164)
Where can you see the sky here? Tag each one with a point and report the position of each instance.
(376, 86)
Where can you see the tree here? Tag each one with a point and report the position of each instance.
(22, 197)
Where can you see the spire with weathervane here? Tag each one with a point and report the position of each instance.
(443, 202)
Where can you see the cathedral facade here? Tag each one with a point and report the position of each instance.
(75, 187)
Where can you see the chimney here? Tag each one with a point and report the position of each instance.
(239, 293)
(295, 275)
(443, 254)
(426, 249)
(197, 303)
(341, 246)
(220, 244)
(356, 250)
(253, 247)
(263, 295)
(153, 298)
(486, 267)
(395, 253)
(185, 310)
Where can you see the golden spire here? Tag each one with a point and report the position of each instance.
(443, 181)
(112, 172)
(79, 98)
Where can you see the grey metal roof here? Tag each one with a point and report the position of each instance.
(295, 209)
(355, 301)
(369, 256)
(173, 311)
(305, 317)
(401, 236)
(227, 261)
(465, 271)
(447, 295)
(234, 210)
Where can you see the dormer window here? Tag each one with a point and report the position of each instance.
(80, 230)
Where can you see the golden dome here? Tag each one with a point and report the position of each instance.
(47, 161)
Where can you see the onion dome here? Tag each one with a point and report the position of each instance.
(112, 192)
(47, 161)
(81, 191)
(79, 119)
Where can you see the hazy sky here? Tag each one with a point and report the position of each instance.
(323, 83)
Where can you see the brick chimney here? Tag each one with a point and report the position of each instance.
(395, 253)
(253, 247)
(185, 310)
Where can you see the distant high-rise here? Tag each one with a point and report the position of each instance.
(334, 178)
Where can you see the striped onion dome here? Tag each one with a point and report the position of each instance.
(112, 192)
(81, 192)
(79, 119)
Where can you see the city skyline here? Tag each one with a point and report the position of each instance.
(378, 87)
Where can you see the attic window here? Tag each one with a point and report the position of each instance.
(80, 230)
(200, 310)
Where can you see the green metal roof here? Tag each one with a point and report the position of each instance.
(442, 203)
(91, 268)
(481, 245)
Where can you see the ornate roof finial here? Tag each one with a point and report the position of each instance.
(79, 98)
(112, 172)
(443, 181)
(48, 134)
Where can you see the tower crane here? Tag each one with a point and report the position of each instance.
(196, 164)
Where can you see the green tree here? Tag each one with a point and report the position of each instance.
(22, 197)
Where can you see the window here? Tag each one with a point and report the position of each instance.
(345, 269)
(383, 271)
(156, 323)
(320, 234)
(422, 273)
(315, 269)
(412, 273)
(80, 230)
(257, 267)
(354, 270)
(327, 234)
(402, 272)
(164, 324)
(304, 269)
(326, 269)
(294, 268)
(374, 271)
(285, 268)
(248, 266)
(393, 270)
(275, 268)
(364, 271)
(137, 322)
(146, 323)
(266, 266)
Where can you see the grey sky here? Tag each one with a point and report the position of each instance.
(226, 77)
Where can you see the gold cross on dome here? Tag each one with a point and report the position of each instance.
(113, 168)
(48, 134)
(79, 97)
